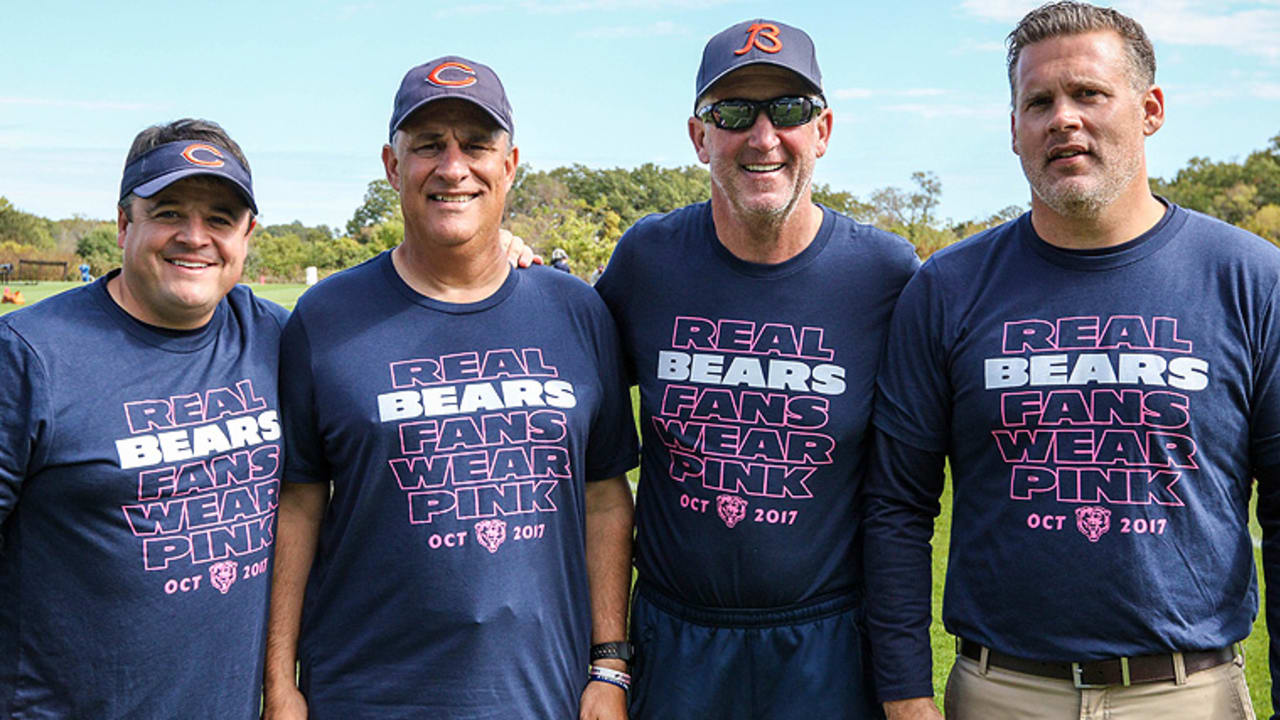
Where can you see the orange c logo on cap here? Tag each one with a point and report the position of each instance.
(769, 32)
(189, 154)
(434, 77)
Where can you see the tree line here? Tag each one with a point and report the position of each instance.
(585, 210)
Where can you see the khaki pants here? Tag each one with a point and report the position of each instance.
(1218, 693)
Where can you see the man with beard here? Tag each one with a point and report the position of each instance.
(755, 356)
(1102, 375)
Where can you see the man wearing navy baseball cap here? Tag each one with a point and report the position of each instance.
(755, 358)
(139, 458)
(473, 423)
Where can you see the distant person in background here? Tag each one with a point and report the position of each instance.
(753, 325)
(560, 260)
(1103, 374)
(595, 274)
(139, 458)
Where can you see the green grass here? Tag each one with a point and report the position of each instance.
(37, 292)
(1255, 646)
(282, 293)
(285, 294)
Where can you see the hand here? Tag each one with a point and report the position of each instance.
(912, 709)
(287, 704)
(518, 253)
(602, 701)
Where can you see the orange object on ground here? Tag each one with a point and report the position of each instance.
(13, 297)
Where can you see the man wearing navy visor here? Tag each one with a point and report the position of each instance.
(139, 456)
(756, 359)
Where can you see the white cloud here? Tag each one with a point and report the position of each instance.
(661, 28)
(1266, 91)
(853, 94)
(1250, 29)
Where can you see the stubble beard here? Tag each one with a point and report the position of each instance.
(765, 218)
(1070, 198)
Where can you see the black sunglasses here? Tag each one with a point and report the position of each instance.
(736, 114)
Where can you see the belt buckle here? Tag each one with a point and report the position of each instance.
(1077, 676)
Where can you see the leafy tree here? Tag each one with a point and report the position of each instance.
(588, 242)
(1230, 191)
(308, 234)
(1265, 223)
(99, 248)
(381, 204)
(631, 194)
(68, 231)
(842, 202)
(24, 228)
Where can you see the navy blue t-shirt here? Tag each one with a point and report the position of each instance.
(756, 385)
(138, 480)
(1103, 413)
(450, 578)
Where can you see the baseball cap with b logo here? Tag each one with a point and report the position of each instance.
(452, 77)
(754, 42)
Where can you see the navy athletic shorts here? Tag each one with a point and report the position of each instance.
(808, 662)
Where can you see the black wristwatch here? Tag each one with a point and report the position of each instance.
(613, 651)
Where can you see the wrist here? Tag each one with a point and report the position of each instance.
(610, 663)
(276, 683)
(609, 676)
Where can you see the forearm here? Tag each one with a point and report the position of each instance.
(610, 514)
(901, 503)
(302, 507)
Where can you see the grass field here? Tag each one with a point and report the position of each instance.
(943, 644)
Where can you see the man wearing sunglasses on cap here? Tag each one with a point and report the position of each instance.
(755, 357)
(473, 424)
(139, 455)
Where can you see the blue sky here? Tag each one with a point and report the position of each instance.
(306, 88)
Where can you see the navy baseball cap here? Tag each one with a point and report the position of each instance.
(452, 77)
(164, 165)
(753, 42)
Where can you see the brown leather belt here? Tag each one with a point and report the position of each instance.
(1101, 673)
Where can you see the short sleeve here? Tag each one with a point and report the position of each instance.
(25, 418)
(611, 447)
(304, 446)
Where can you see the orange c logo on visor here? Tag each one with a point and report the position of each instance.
(189, 154)
(769, 32)
(435, 76)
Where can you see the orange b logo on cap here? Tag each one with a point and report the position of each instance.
(769, 32)
(435, 77)
(189, 154)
